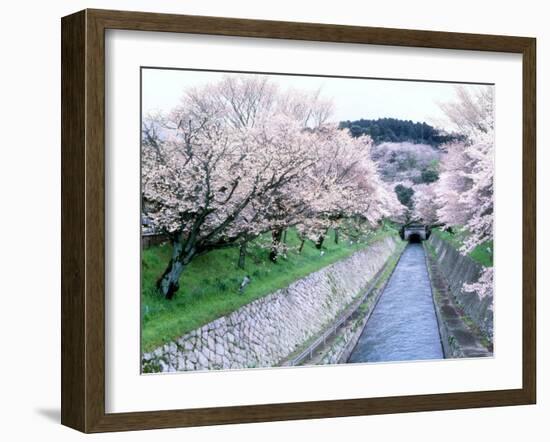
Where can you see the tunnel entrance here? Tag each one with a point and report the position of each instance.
(415, 233)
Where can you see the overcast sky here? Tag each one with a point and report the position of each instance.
(353, 98)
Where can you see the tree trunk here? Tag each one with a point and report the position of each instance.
(242, 255)
(168, 283)
(276, 236)
(284, 235)
(336, 235)
(319, 242)
(301, 246)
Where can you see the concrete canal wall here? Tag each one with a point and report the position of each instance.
(457, 270)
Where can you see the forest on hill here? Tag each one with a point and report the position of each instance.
(394, 130)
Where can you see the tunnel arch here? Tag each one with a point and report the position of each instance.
(415, 233)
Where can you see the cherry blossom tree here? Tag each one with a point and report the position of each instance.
(213, 166)
(453, 183)
(238, 158)
(346, 187)
(465, 188)
(484, 285)
(308, 108)
(424, 203)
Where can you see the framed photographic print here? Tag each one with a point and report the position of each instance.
(270, 220)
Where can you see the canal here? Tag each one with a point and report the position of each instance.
(403, 325)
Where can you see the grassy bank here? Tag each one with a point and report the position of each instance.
(482, 254)
(209, 286)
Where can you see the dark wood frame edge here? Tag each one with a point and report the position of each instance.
(83, 215)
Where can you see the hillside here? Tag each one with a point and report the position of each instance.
(396, 131)
(405, 161)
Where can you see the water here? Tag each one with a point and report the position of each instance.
(403, 325)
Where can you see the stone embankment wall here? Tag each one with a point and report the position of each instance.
(458, 269)
(268, 330)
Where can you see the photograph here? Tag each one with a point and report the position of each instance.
(297, 220)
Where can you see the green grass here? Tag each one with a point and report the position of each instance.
(482, 254)
(209, 286)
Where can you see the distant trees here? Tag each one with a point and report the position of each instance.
(405, 195)
(239, 158)
(405, 161)
(395, 130)
(429, 175)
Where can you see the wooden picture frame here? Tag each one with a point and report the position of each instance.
(83, 220)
